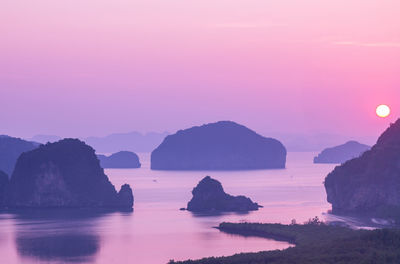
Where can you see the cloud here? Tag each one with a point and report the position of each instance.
(245, 25)
(368, 44)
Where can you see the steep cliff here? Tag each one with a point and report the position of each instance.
(369, 184)
(63, 174)
(3, 187)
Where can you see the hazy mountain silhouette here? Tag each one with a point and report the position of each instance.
(315, 141)
(10, 149)
(133, 141)
(341, 153)
(45, 138)
(224, 145)
(138, 142)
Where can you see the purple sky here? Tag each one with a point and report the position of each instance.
(80, 68)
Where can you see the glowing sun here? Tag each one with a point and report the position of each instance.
(383, 110)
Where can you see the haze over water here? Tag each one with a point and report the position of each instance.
(157, 230)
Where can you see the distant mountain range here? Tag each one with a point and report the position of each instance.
(316, 142)
(10, 149)
(44, 138)
(131, 141)
(139, 142)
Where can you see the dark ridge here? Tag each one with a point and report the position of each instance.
(3, 187)
(369, 184)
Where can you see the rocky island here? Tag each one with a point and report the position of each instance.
(341, 153)
(369, 184)
(10, 149)
(120, 160)
(209, 196)
(224, 145)
(63, 174)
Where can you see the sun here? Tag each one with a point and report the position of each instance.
(383, 111)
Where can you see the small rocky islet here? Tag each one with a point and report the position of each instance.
(223, 145)
(64, 174)
(210, 197)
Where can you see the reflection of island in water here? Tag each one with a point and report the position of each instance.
(58, 235)
(64, 246)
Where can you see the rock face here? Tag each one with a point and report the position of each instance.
(125, 196)
(10, 149)
(63, 174)
(369, 184)
(224, 145)
(209, 196)
(122, 159)
(341, 153)
(3, 186)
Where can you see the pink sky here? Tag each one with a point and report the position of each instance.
(93, 67)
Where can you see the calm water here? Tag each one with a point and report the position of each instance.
(157, 230)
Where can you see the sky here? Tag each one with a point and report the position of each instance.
(93, 67)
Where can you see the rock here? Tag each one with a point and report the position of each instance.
(63, 174)
(341, 153)
(122, 160)
(369, 184)
(10, 149)
(209, 196)
(125, 197)
(224, 145)
(3, 187)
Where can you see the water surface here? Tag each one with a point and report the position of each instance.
(157, 231)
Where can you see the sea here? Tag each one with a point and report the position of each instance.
(157, 231)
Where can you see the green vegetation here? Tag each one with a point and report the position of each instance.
(315, 242)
